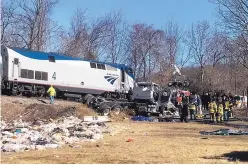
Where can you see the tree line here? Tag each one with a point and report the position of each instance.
(213, 57)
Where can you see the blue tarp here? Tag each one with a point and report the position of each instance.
(142, 118)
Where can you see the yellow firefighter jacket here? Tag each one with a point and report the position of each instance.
(227, 106)
(220, 109)
(212, 107)
(192, 107)
(51, 91)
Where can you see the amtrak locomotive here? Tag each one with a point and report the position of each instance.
(32, 72)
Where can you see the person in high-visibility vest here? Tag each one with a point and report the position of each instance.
(220, 112)
(212, 110)
(226, 110)
(192, 111)
(51, 91)
(184, 112)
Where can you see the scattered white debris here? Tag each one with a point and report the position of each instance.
(22, 136)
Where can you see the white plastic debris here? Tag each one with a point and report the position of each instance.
(24, 136)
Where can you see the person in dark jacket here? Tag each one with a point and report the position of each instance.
(230, 97)
(208, 100)
(204, 100)
(184, 113)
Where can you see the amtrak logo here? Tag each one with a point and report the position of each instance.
(110, 79)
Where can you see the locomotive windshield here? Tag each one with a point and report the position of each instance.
(129, 71)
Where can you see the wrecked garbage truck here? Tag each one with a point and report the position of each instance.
(151, 99)
(147, 99)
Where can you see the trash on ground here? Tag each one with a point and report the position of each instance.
(21, 136)
(129, 140)
(225, 132)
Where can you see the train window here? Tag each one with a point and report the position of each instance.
(41, 75)
(93, 65)
(30, 74)
(37, 75)
(51, 58)
(129, 70)
(108, 67)
(16, 61)
(44, 76)
(24, 73)
(101, 66)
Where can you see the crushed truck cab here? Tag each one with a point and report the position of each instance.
(146, 92)
(149, 99)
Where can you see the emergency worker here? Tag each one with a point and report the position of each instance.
(212, 110)
(220, 113)
(51, 91)
(226, 110)
(192, 111)
(192, 105)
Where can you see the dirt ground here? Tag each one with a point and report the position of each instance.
(152, 143)
(168, 142)
(31, 109)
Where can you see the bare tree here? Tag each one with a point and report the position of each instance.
(28, 23)
(145, 44)
(88, 40)
(198, 41)
(217, 48)
(35, 22)
(242, 50)
(173, 37)
(118, 29)
(185, 54)
(234, 15)
(74, 41)
(8, 9)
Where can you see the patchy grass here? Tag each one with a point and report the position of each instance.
(152, 143)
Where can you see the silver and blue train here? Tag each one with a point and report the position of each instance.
(32, 72)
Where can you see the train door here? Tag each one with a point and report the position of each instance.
(1, 68)
(123, 79)
(123, 76)
(15, 71)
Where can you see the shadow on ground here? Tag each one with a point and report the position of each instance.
(241, 156)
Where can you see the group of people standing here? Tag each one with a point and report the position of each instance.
(218, 106)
